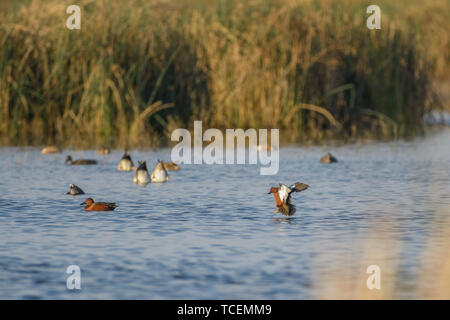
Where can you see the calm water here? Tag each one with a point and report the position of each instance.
(211, 233)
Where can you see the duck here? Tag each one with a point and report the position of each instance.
(126, 164)
(91, 205)
(70, 161)
(75, 190)
(159, 174)
(141, 175)
(104, 151)
(282, 196)
(171, 166)
(50, 149)
(328, 158)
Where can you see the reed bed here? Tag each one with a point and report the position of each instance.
(139, 69)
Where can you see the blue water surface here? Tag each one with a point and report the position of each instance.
(211, 232)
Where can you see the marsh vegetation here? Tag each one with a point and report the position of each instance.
(139, 69)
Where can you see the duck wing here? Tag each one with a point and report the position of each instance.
(284, 192)
(298, 187)
(110, 205)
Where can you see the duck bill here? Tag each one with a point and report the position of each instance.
(83, 203)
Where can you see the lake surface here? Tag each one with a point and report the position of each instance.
(211, 232)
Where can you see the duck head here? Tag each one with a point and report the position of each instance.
(75, 190)
(87, 202)
(69, 160)
(273, 190)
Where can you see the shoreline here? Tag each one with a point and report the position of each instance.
(428, 131)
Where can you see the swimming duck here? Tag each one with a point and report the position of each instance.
(70, 162)
(126, 164)
(74, 190)
(141, 175)
(50, 149)
(283, 197)
(159, 174)
(98, 206)
(171, 166)
(104, 151)
(328, 158)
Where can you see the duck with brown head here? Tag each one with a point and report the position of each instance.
(50, 149)
(91, 205)
(282, 197)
